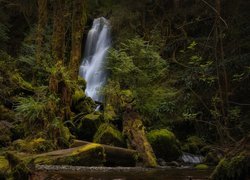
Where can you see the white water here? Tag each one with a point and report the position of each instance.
(92, 67)
(192, 159)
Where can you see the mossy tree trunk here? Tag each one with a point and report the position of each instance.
(78, 23)
(41, 24)
(58, 37)
(135, 132)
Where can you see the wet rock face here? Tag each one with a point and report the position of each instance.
(165, 144)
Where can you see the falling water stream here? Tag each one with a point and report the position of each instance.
(92, 67)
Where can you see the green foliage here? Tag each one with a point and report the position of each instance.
(193, 145)
(32, 111)
(165, 144)
(235, 168)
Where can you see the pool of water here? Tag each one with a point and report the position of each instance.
(118, 173)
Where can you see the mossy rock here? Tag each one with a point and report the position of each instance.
(89, 125)
(193, 145)
(108, 134)
(165, 144)
(109, 113)
(88, 155)
(33, 145)
(201, 166)
(84, 104)
(235, 168)
(81, 82)
(78, 96)
(5, 133)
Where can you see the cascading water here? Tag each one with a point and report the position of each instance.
(92, 67)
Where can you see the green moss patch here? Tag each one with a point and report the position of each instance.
(108, 134)
(201, 166)
(165, 144)
(33, 145)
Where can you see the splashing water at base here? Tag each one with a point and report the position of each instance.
(92, 68)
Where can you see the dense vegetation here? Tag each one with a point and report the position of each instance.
(179, 70)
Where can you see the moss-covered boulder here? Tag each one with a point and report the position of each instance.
(235, 168)
(193, 145)
(33, 145)
(108, 134)
(87, 155)
(165, 144)
(88, 125)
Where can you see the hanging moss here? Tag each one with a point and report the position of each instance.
(235, 168)
(108, 134)
(165, 144)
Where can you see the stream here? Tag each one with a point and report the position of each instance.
(118, 173)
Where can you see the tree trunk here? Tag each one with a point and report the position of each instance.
(41, 24)
(78, 23)
(58, 38)
(134, 130)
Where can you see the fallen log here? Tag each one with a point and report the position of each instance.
(115, 156)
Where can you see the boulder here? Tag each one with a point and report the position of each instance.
(108, 134)
(165, 144)
(88, 125)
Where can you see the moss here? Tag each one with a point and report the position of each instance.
(81, 82)
(33, 145)
(108, 134)
(78, 96)
(109, 113)
(16, 78)
(235, 168)
(4, 164)
(88, 155)
(135, 131)
(88, 126)
(193, 145)
(86, 106)
(165, 144)
(201, 166)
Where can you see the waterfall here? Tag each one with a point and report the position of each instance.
(92, 67)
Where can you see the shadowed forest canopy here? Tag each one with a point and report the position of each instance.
(178, 81)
